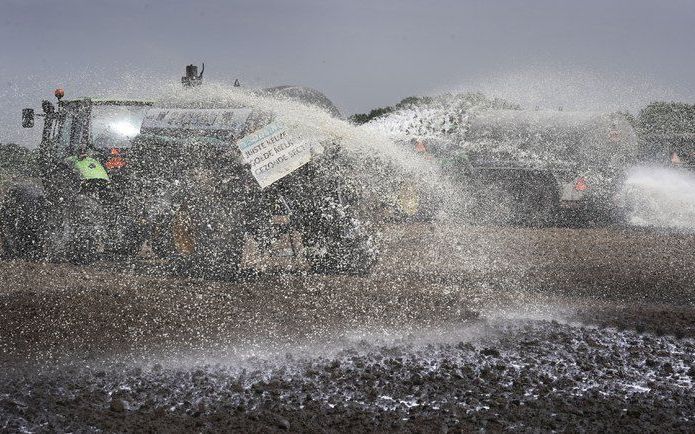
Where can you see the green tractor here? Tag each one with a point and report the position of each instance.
(74, 210)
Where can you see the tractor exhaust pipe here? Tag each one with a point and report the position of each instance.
(192, 78)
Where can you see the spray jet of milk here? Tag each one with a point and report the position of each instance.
(308, 122)
(373, 152)
(661, 197)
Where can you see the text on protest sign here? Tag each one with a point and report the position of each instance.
(273, 154)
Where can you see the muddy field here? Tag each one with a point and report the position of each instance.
(458, 328)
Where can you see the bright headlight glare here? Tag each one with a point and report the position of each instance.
(125, 128)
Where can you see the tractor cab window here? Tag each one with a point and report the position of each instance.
(65, 133)
(67, 130)
(115, 126)
(60, 133)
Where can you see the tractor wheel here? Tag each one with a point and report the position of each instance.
(84, 226)
(132, 243)
(22, 215)
(81, 251)
(339, 243)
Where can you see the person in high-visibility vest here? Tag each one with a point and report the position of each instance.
(115, 161)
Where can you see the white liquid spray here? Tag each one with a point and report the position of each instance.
(661, 197)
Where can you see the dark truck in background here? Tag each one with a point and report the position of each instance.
(548, 167)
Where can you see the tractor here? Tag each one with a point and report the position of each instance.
(75, 209)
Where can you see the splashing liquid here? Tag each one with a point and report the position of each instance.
(661, 197)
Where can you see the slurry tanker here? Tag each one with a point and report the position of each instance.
(536, 167)
(192, 179)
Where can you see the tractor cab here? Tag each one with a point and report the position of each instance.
(84, 179)
(90, 136)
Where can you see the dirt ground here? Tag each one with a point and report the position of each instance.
(459, 327)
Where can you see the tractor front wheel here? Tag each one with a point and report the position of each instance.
(84, 226)
(22, 216)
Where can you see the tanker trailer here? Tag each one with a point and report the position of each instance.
(215, 173)
(545, 167)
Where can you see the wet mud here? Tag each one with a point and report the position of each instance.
(459, 328)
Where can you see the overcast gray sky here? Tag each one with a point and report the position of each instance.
(588, 54)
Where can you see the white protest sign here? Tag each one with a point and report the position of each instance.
(273, 154)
